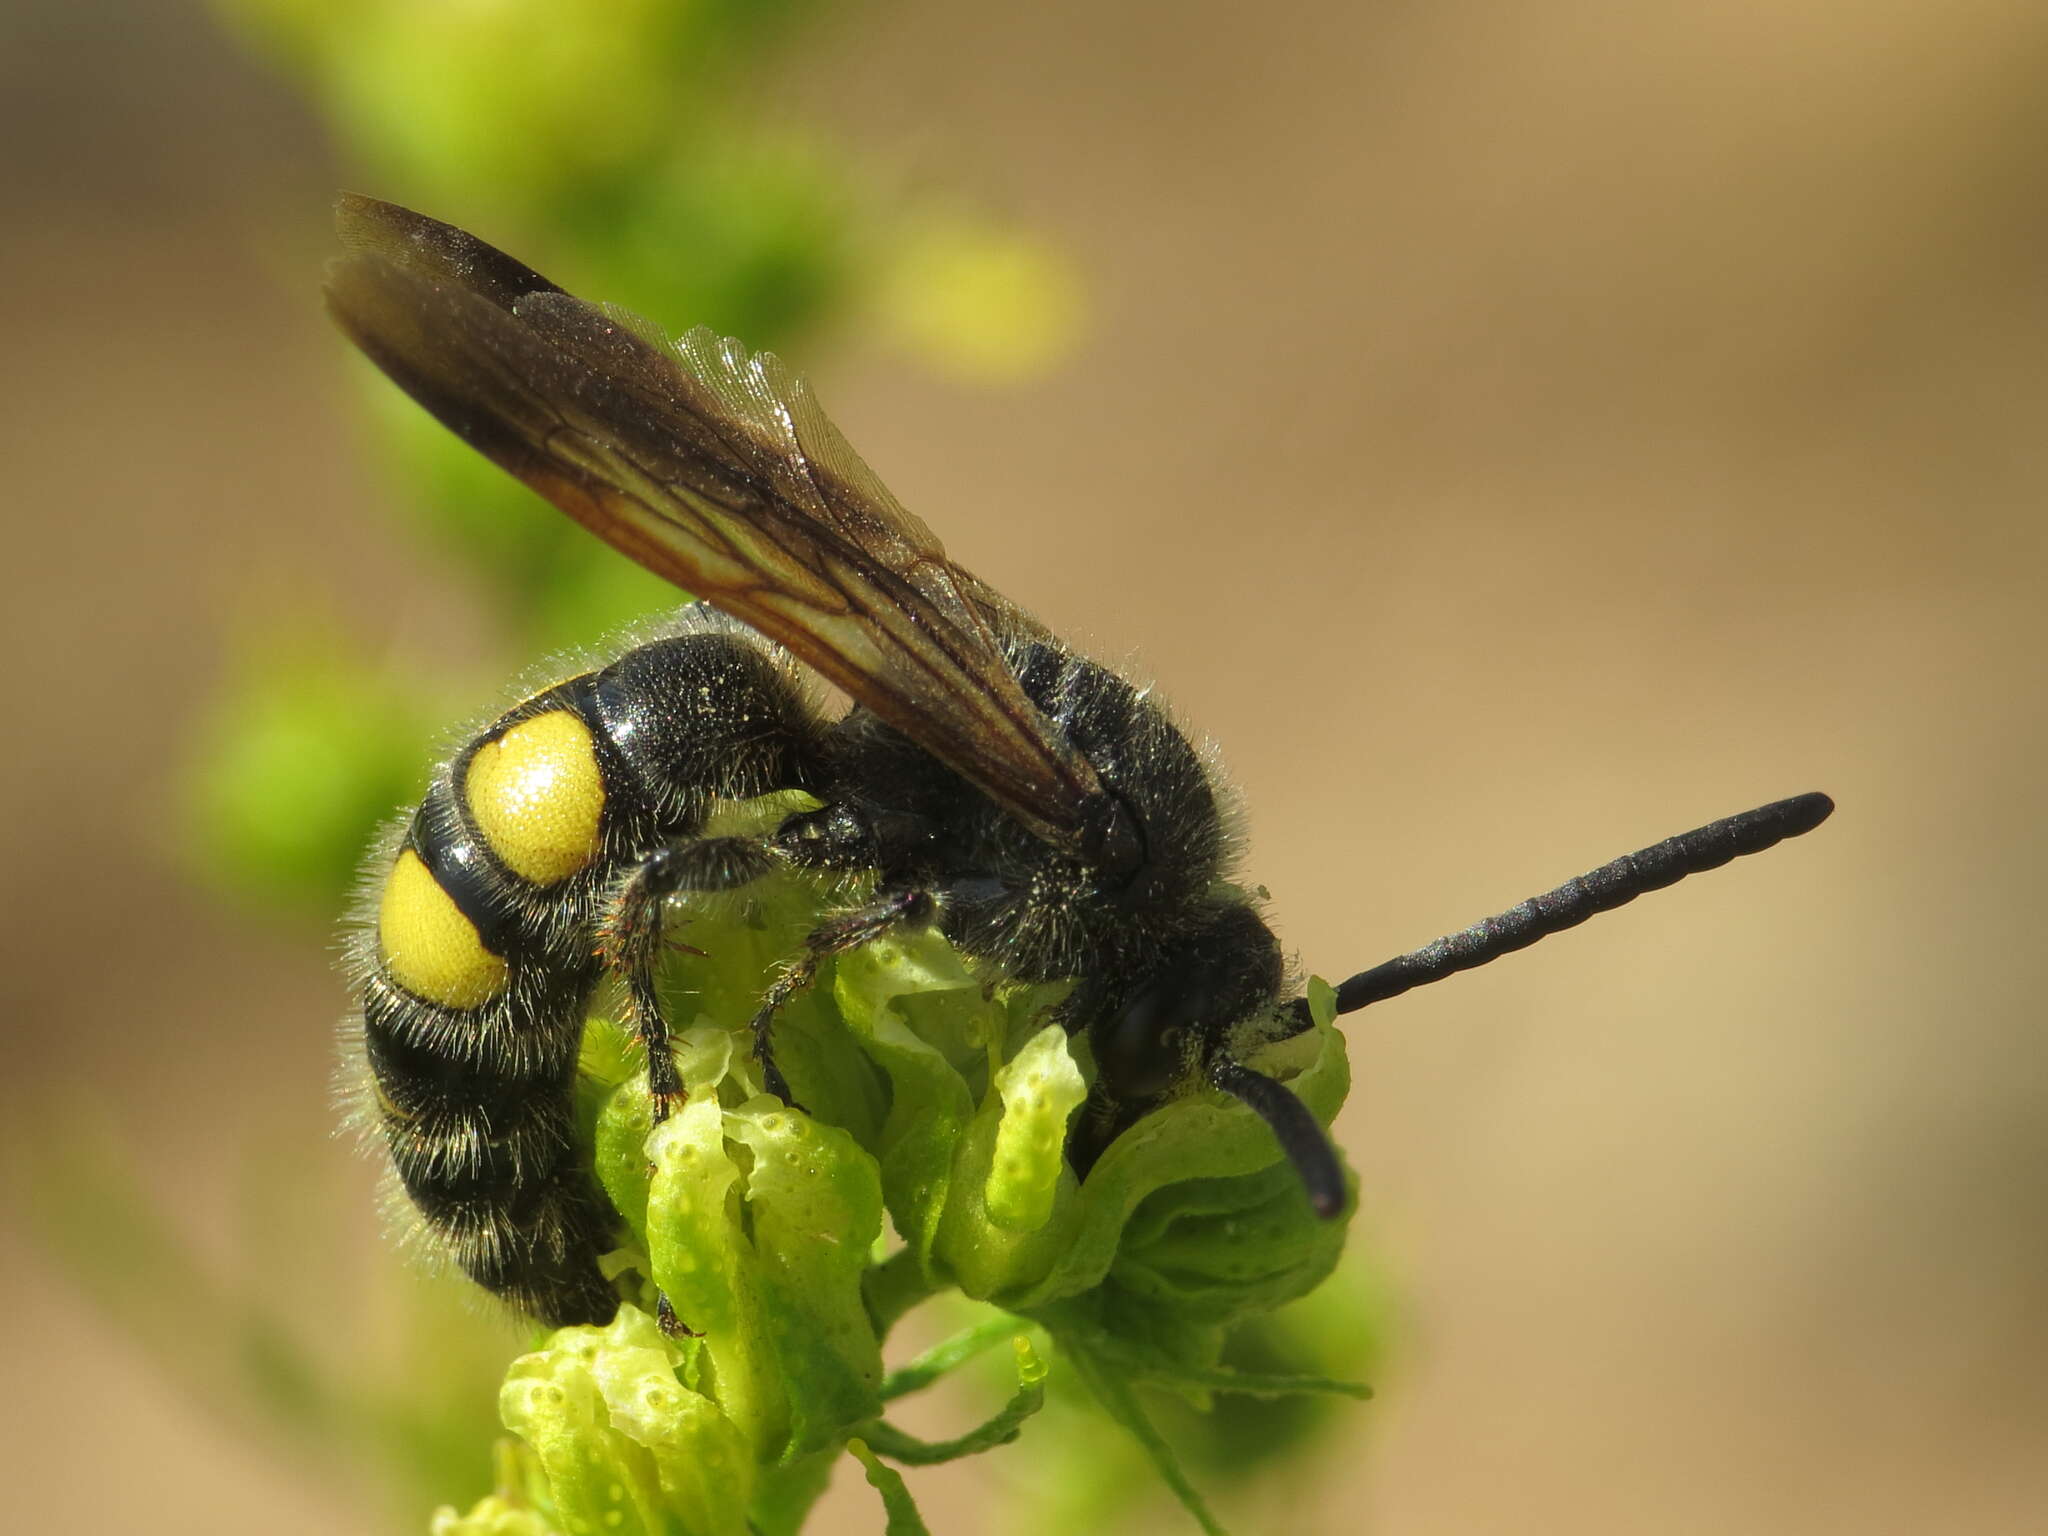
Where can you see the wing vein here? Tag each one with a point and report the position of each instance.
(713, 467)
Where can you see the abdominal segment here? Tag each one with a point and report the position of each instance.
(476, 955)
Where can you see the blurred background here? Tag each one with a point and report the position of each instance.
(1514, 433)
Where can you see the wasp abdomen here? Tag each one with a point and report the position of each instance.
(536, 793)
(480, 956)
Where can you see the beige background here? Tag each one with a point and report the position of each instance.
(1579, 420)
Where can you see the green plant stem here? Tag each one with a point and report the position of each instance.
(1111, 1390)
(1004, 1427)
(949, 1355)
(896, 1502)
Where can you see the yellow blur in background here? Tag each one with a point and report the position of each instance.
(1514, 433)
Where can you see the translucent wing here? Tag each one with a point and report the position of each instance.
(714, 467)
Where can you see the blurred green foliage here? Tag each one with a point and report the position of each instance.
(637, 152)
(278, 1343)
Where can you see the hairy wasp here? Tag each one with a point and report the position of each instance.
(1043, 812)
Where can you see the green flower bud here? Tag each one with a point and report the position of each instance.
(624, 1447)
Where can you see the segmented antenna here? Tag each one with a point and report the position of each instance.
(1315, 1160)
(1601, 890)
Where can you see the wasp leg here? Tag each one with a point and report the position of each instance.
(668, 1322)
(848, 931)
(631, 941)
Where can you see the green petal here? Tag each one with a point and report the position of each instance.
(597, 1479)
(1206, 1156)
(622, 1445)
(1040, 1088)
(930, 1101)
(704, 1263)
(814, 1200)
(1010, 1163)
(701, 1459)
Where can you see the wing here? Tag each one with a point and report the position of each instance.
(715, 468)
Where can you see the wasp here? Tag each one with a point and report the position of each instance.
(1045, 814)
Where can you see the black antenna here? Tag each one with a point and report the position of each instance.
(1601, 890)
(1315, 1160)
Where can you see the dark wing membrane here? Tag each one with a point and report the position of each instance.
(715, 468)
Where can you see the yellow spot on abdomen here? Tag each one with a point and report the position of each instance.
(428, 947)
(538, 797)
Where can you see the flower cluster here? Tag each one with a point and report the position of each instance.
(936, 1112)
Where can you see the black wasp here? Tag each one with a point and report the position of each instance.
(1044, 813)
